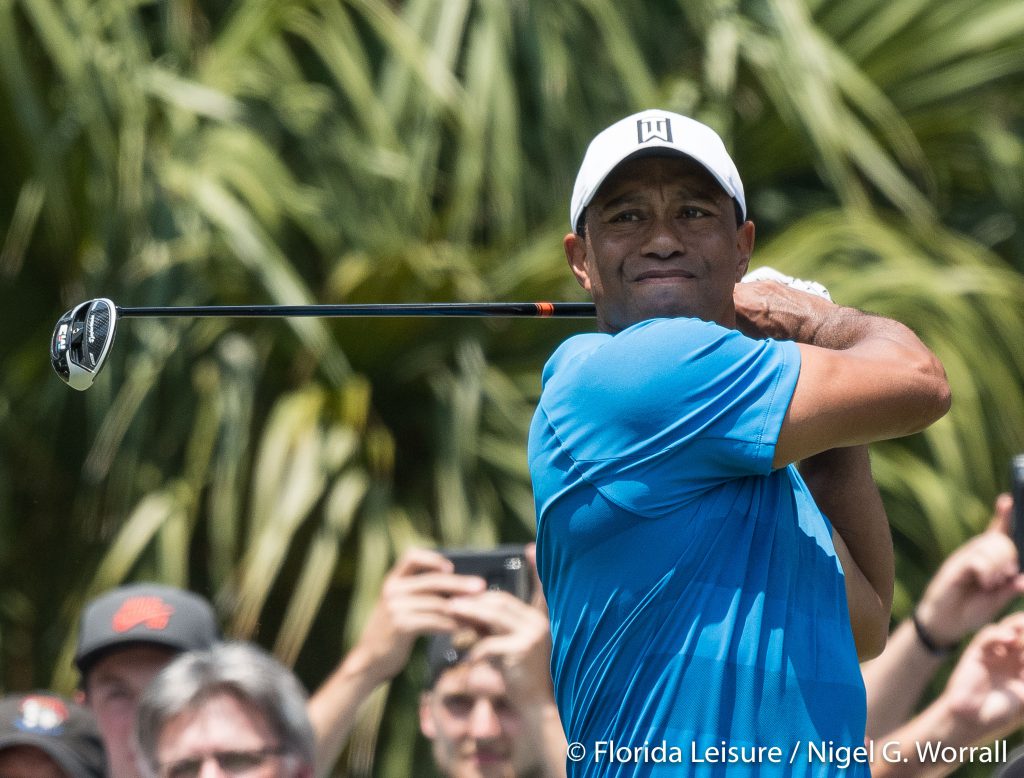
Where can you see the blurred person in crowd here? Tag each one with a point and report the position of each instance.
(982, 702)
(969, 590)
(43, 735)
(229, 710)
(129, 634)
(488, 708)
(126, 636)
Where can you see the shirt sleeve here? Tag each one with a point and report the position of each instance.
(668, 408)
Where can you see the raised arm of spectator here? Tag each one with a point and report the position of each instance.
(517, 639)
(969, 590)
(414, 601)
(983, 700)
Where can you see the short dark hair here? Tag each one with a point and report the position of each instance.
(442, 655)
(581, 223)
(740, 220)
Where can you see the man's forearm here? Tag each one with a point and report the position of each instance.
(333, 708)
(552, 742)
(787, 314)
(841, 483)
(896, 680)
(863, 378)
(914, 741)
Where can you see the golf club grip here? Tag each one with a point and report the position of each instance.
(534, 309)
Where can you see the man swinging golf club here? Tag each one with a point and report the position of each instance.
(707, 597)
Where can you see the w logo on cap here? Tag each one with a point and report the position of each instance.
(653, 129)
(153, 612)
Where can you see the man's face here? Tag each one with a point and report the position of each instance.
(112, 689)
(224, 735)
(28, 762)
(661, 240)
(475, 729)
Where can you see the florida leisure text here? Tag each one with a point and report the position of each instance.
(611, 752)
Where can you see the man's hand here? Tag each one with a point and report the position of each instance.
(516, 637)
(765, 273)
(986, 689)
(770, 308)
(415, 600)
(983, 700)
(974, 583)
(970, 588)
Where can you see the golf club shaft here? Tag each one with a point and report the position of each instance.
(535, 309)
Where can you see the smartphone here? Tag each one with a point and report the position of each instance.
(503, 567)
(1017, 479)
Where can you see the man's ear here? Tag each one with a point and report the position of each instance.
(427, 726)
(576, 254)
(744, 248)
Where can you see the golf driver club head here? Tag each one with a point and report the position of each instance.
(81, 342)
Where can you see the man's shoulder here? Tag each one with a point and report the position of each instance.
(571, 350)
(647, 344)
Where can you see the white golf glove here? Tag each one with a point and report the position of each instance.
(771, 274)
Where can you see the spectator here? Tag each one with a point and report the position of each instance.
(46, 736)
(970, 589)
(983, 700)
(232, 705)
(489, 707)
(125, 638)
(128, 635)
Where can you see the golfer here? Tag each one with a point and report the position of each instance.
(709, 602)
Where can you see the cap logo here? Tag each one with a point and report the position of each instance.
(653, 129)
(42, 715)
(153, 612)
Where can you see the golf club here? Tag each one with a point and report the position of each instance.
(83, 336)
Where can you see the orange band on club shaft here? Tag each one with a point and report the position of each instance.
(545, 309)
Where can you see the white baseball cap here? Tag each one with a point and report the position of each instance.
(653, 129)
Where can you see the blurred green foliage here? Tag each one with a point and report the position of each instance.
(293, 151)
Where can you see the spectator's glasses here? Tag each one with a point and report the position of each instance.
(230, 762)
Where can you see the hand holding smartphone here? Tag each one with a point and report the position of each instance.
(504, 568)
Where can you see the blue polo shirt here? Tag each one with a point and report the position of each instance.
(697, 602)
